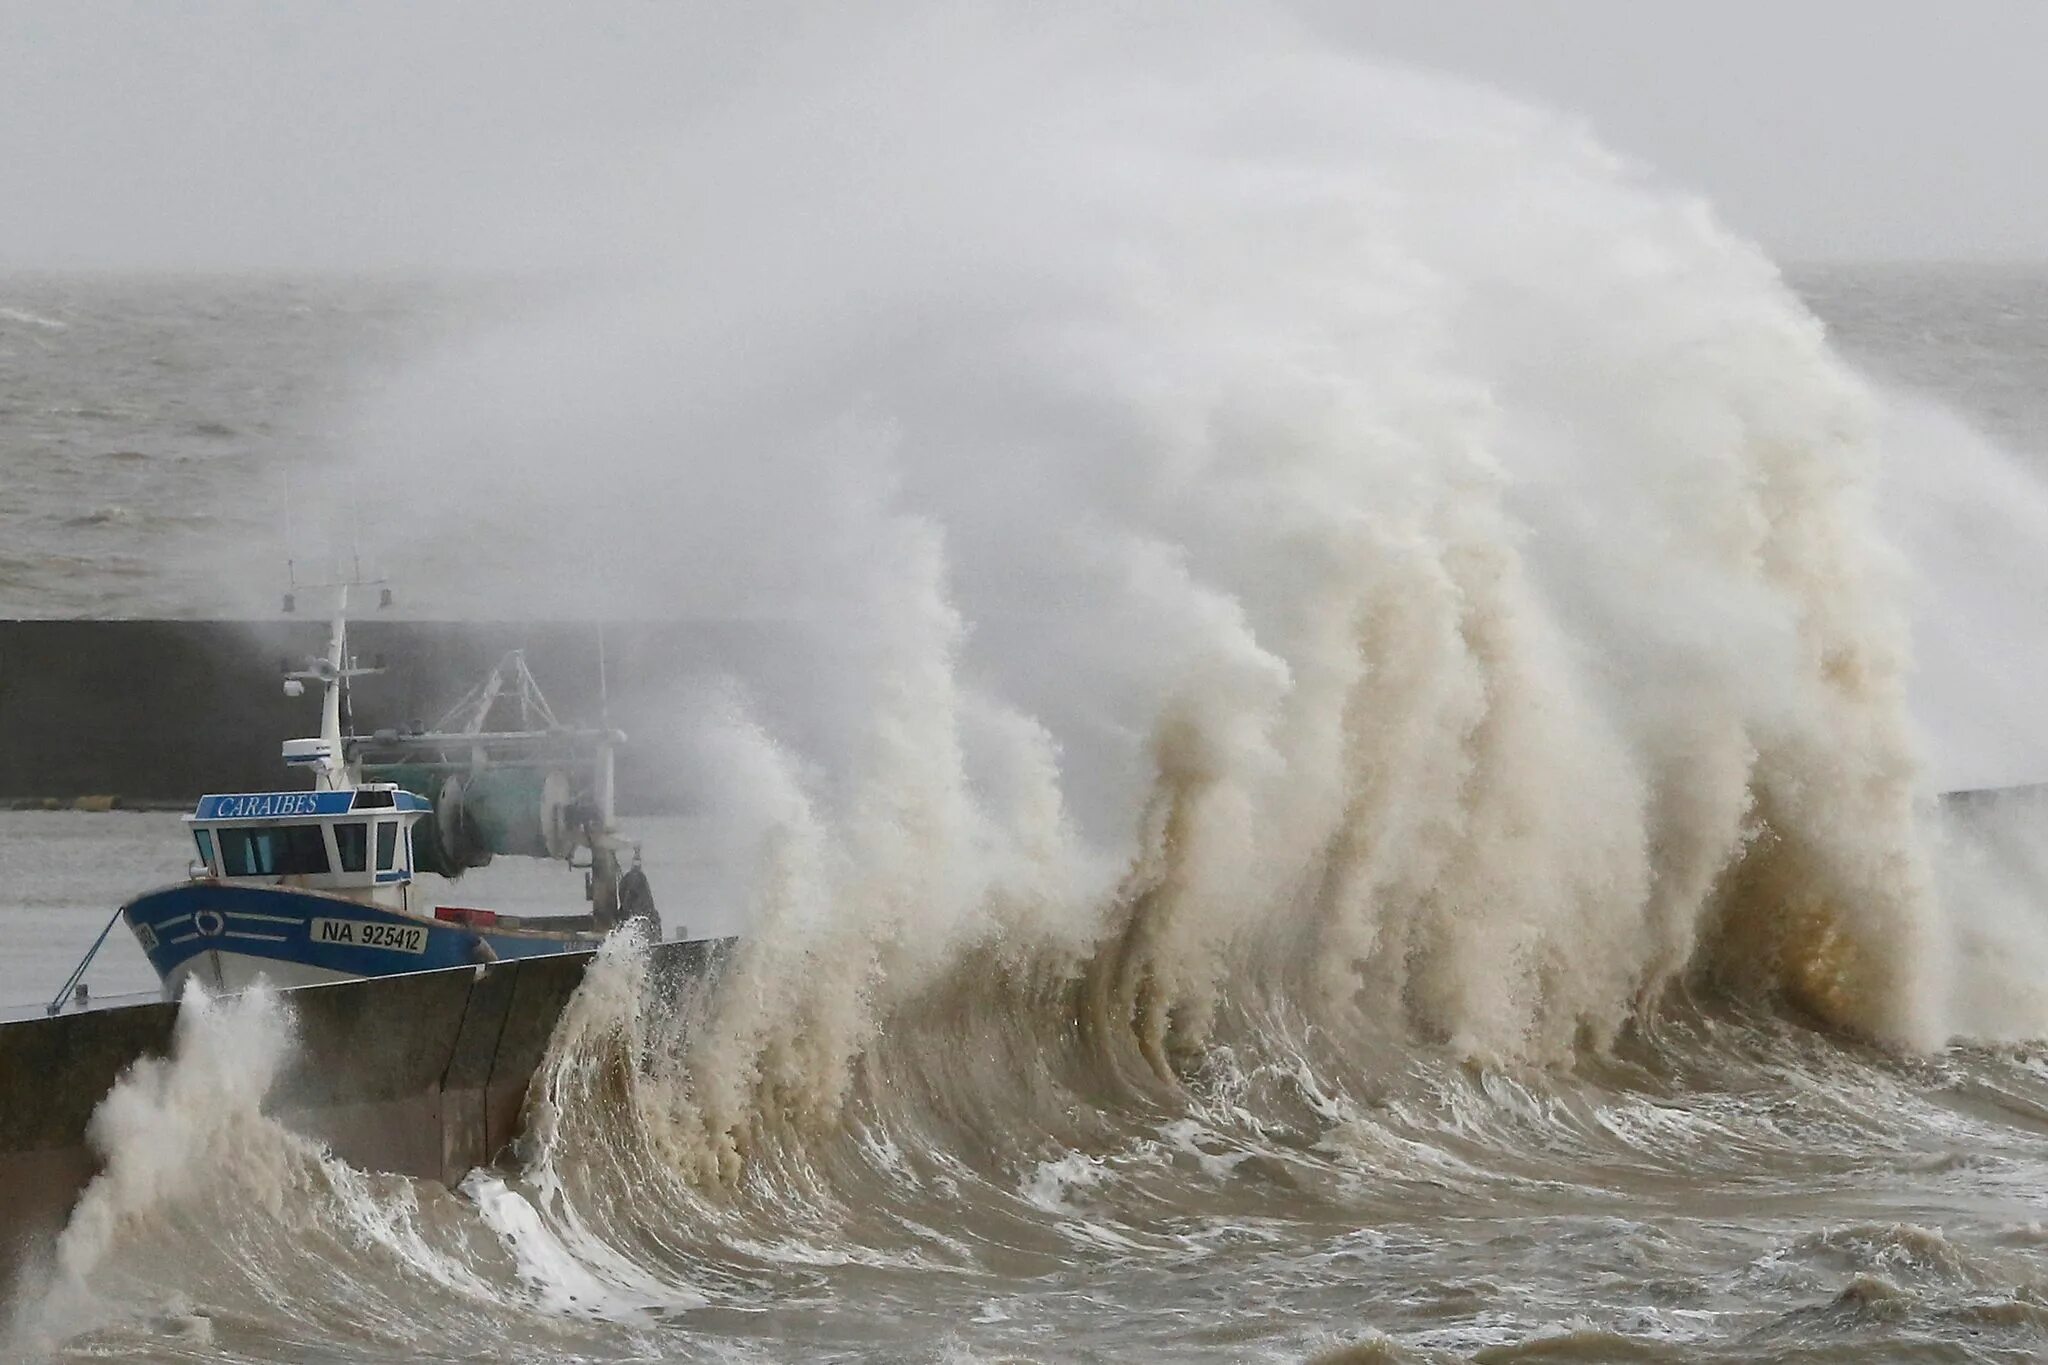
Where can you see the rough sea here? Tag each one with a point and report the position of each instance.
(1368, 794)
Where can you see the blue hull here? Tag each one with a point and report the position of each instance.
(305, 936)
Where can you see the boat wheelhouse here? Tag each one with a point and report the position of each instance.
(356, 842)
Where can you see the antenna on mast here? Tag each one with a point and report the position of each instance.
(291, 568)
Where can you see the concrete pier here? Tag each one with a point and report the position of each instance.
(152, 713)
(423, 1075)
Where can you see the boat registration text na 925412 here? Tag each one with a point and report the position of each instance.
(397, 938)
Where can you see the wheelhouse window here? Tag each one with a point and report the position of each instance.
(352, 843)
(279, 851)
(387, 844)
(204, 838)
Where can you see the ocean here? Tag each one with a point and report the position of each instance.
(1366, 788)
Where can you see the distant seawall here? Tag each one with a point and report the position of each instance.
(158, 712)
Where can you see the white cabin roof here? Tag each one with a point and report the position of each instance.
(274, 807)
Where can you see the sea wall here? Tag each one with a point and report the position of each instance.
(156, 712)
(424, 1075)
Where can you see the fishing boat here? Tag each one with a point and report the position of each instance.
(310, 886)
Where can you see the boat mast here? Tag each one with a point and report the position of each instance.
(328, 755)
(332, 774)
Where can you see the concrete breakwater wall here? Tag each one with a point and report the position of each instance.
(424, 1075)
(157, 712)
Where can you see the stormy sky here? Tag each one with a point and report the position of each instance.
(227, 135)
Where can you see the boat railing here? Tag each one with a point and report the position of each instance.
(73, 984)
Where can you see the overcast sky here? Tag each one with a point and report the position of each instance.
(295, 135)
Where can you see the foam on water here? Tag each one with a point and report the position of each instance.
(170, 1129)
(25, 318)
(561, 1280)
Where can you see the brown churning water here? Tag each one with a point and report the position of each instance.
(1357, 796)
